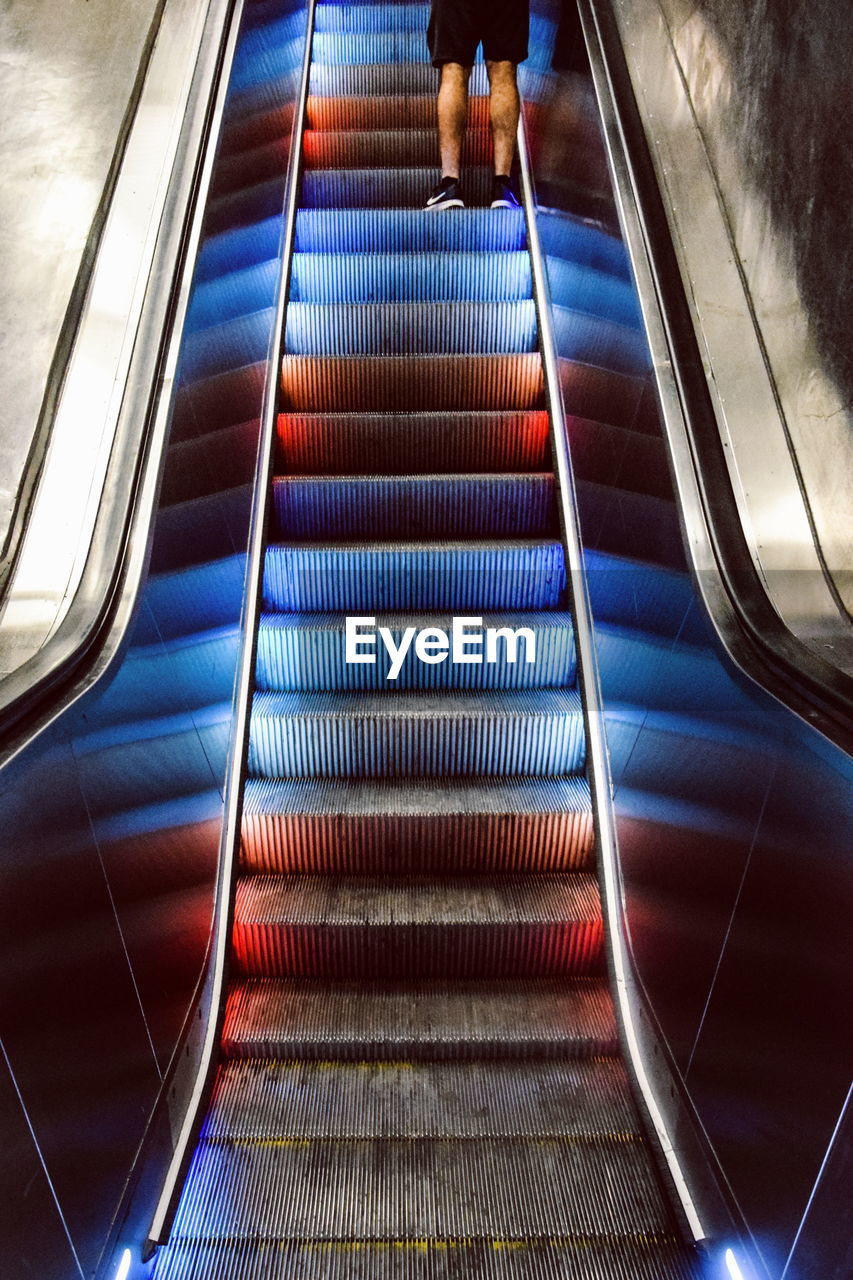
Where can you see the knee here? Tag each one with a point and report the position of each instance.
(454, 74)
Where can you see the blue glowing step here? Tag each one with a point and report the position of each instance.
(388, 444)
(241, 292)
(358, 19)
(379, 188)
(387, 148)
(360, 927)
(447, 734)
(411, 383)
(362, 49)
(429, 506)
(478, 576)
(398, 231)
(598, 341)
(377, 328)
(582, 288)
(631, 593)
(307, 652)
(409, 826)
(408, 276)
(386, 80)
(266, 55)
(284, 1019)
(191, 600)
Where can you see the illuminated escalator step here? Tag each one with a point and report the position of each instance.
(307, 652)
(375, 576)
(377, 328)
(372, 189)
(414, 112)
(240, 292)
(387, 148)
(437, 382)
(406, 277)
(369, 231)
(475, 826)
(239, 249)
(393, 79)
(465, 927)
(351, 19)
(438, 734)
(521, 1018)
(346, 443)
(432, 506)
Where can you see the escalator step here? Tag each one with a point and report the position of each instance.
(307, 651)
(431, 506)
(411, 383)
(381, 80)
(386, 444)
(286, 1018)
(368, 189)
(410, 827)
(387, 113)
(364, 927)
(408, 277)
(505, 1189)
(481, 576)
(388, 148)
(405, 231)
(265, 1101)
(391, 735)
(648, 1258)
(377, 328)
(350, 19)
(363, 49)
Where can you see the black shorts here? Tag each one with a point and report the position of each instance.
(456, 27)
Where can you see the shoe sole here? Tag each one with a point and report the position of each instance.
(445, 204)
(504, 204)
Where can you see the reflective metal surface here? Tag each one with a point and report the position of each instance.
(781, 411)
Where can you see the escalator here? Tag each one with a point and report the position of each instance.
(420, 1070)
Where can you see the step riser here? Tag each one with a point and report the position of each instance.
(347, 580)
(383, 80)
(409, 231)
(299, 657)
(418, 951)
(343, 20)
(379, 189)
(303, 746)
(482, 328)
(409, 384)
(379, 444)
(441, 507)
(278, 844)
(507, 1190)
(407, 277)
(384, 148)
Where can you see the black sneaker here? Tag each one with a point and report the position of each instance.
(503, 193)
(447, 195)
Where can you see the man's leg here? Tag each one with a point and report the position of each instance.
(452, 117)
(504, 110)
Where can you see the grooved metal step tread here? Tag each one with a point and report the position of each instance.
(307, 651)
(388, 148)
(399, 188)
(405, 231)
(386, 444)
(273, 1101)
(409, 383)
(415, 506)
(413, 827)
(389, 79)
(448, 733)
(505, 1188)
(389, 112)
(654, 1257)
(477, 575)
(404, 276)
(400, 328)
(426, 1021)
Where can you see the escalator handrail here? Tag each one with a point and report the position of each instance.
(96, 623)
(752, 632)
